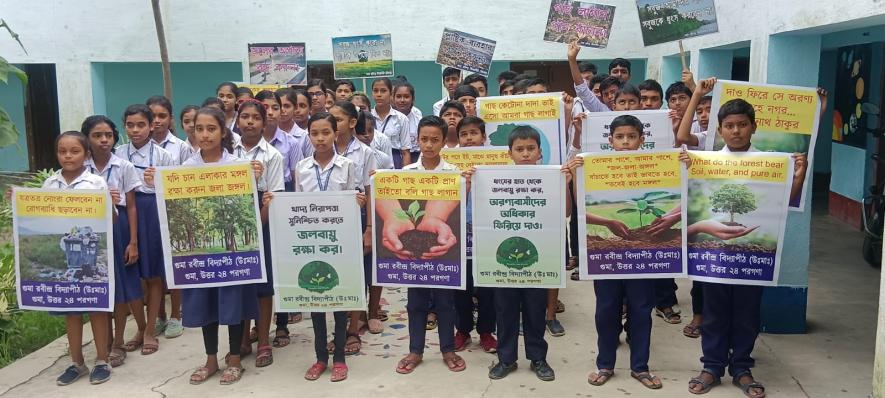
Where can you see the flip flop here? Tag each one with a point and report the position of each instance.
(602, 376)
(691, 331)
(452, 360)
(350, 343)
(406, 365)
(669, 316)
(133, 345)
(150, 348)
(654, 382)
(280, 340)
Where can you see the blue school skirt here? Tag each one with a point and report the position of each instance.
(150, 245)
(226, 305)
(265, 289)
(127, 278)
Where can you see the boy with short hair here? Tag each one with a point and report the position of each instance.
(479, 83)
(466, 95)
(451, 78)
(620, 68)
(506, 87)
(505, 76)
(452, 112)
(627, 98)
(344, 89)
(588, 70)
(651, 94)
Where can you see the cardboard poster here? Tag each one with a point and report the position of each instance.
(466, 51)
(356, 57)
(539, 112)
(670, 20)
(277, 63)
(588, 23)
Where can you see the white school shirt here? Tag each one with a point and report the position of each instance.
(363, 158)
(413, 118)
(149, 155)
(577, 109)
(383, 160)
(442, 166)
(177, 148)
(382, 144)
(437, 106)
(702, 140)
(271, 179)
(338, 175)
(395, 126)
(119, 174)
(197, 160)
(290, 148)
(301, 136)
(85, 180)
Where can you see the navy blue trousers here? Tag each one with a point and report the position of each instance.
(730, 326)
(697, 297)
(485, 297)
(665, 293)
(443, 301)
(610, 294)
(510, 303)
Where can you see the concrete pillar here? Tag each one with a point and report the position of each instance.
(74, 93)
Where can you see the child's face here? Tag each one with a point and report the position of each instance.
(507, 90)
(678, 102)
(322, 135)
(250, 122)
(187, 123)
(650, 99)
(536, 89)
(302, 109)
(343, 92)
(627, 102)
(101, 138)
(137, 129)
(273, 111)
(452, 116)
(597, 92)
(330, 101)
(403, 100)
(626, 138)
(608, 97)
(469, 104)
(587, 76)
(480, 88)
(430, 140)
(162, 119)
(287, 109)
(381, 94)
(451, 82)
(622, 73)
(703, 113)
(208, 132)
(736, 131)
(317, 99)
(471, 135)
(71, 154)
(228, 98)
(360, 104)
(525, 151)
(344, 122)
(367, 136)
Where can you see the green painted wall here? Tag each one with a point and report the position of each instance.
(12, 99)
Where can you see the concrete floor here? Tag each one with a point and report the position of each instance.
(834, 359)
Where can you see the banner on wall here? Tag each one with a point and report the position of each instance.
(210, 226)
(737, 213)
(787, 119)
(63, 243)
(419, 229)
(631, 207)
(541, 113)
(657, 130)
(361, 57)
(317, 252)
(465, 51)
(519, 220)
(670, 20)
(277, 63)
(587, 23)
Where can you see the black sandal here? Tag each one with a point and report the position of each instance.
(705, 387)
(736, 380)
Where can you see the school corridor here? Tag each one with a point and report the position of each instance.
(834, 359)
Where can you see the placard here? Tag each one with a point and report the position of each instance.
(657, 130)
(466, 157)
(670, 20)
(368, 56)
(539, 112)
(277, 63)
(587, 23)
(465, 51)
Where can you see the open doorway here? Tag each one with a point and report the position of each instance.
(41, 115)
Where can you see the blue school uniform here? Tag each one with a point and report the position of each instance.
(531, 305)
(610, 296)
(121, 175)
(225, 305)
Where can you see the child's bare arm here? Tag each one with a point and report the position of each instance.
(683, 134)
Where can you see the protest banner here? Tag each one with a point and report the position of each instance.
(520, 226)
(209, 223)
(539, 112)
(419, 229)
(316, 248)
(256, 88)
(787, 120)
(465, 51)
(587, 23)
(277, 63)
(631, 207)
(737, 212)
(467, 157)
(63, 243)
(670, 20)
(360, 57)
(657, 130)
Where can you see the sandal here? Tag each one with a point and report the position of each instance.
(315, 371)
(352, 345)
(375, 326)
(572, 263)
(117, 357)
(408, 363)
(253, 335)
(705, 387)
(431, 323)
(339, 371)
(600, 377)
(133, 344)
(647, 379)
(264, 357)
(669, 315)
(454, 362)
(150, 348)
(201, 375)
(560, 307)
(736, 380)
(576, 276)
(383, 315)
(281, 340)
(231, 375)
(692, 331)
(296, 317)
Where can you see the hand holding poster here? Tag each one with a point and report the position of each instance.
(540, 112)
(670, 20)
(588, 23)
(210, 226)
(466, 157)
(356, 57)
(737, 213)
(596, 132)
(419, 229)
(786, 121)
(317, 252)
(63, 244)
(632, 206)
(277, 63)
(520, 226)
(465, 51)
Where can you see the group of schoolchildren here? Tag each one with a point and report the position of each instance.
(318, 139)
